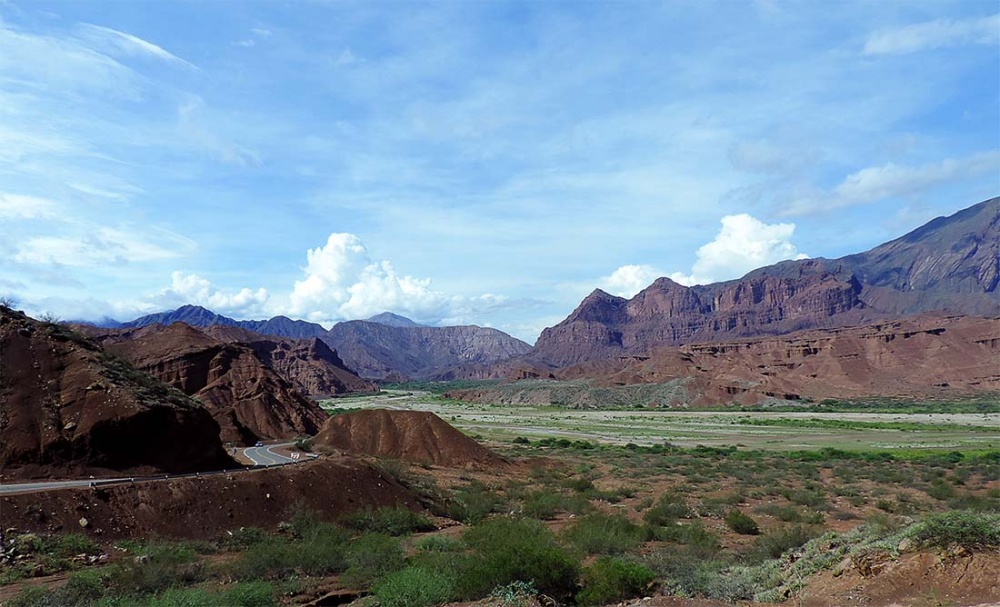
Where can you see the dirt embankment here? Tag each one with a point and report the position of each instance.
(206, 507)
(415, 436)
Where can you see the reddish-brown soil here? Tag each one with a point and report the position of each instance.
(67, 408)
(248, 398)
(206, 507)
(922, 578)
(415, 436)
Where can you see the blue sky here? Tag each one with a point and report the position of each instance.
(471, 162)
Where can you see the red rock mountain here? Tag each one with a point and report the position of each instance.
(416, 436)
(248, 399)
(310, 365)
(922, 357)
(951, 264)
(68, 408)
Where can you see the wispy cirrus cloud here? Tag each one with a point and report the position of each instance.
(939, 33)
(873, 184)
(121, 43)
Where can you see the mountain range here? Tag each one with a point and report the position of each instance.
(951, 264)
(385, 347)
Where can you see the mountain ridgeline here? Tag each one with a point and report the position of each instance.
(385, 347)
(951, 264)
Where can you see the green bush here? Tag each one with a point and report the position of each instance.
(610, 579)
(667, 510)
(320, 549)
(250, 594)
(414, 587)
(394, 521)
(773, 545)
(438, 543)
(741, 523)
(371, 557)
(971, 530)
(507, 550)
(542, 505)
(474, 502)
(601, 533)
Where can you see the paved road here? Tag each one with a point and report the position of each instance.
(33, 487)
(263, 456)
(260, 456)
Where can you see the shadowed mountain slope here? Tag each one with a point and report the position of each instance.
(68, 408)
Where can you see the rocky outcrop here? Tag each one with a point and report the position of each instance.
(951, 264)
(309, 364)
(416, 436)
(248, 399)
(382, 351)
(923, 357)
(67, 407)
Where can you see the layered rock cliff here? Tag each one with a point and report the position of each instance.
(248, 399)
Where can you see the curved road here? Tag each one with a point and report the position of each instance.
(263, 456)
(260, 456)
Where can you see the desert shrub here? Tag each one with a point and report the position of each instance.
(670, 507)
(972, 530)
(438, 543)
(741, 523)
(612, 579)
(154, 567)
(243, 538)
(474, 502)
(372, 556)
(514, 594)
(507, 550)
(31, 596)
(83, 587)
(393, 521)
(684, 571)
(320, 548)
(414, 587)
(776, 543)
(580, 485)
(601, 533)
(543, 505)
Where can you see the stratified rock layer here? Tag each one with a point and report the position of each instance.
(249, 400)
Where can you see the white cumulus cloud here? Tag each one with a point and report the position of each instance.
(628, 280)
(342, 282)
(939, 33)
(743, 244)
(193, 289)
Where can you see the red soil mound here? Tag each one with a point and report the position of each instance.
(415, 436)
(208, 506)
